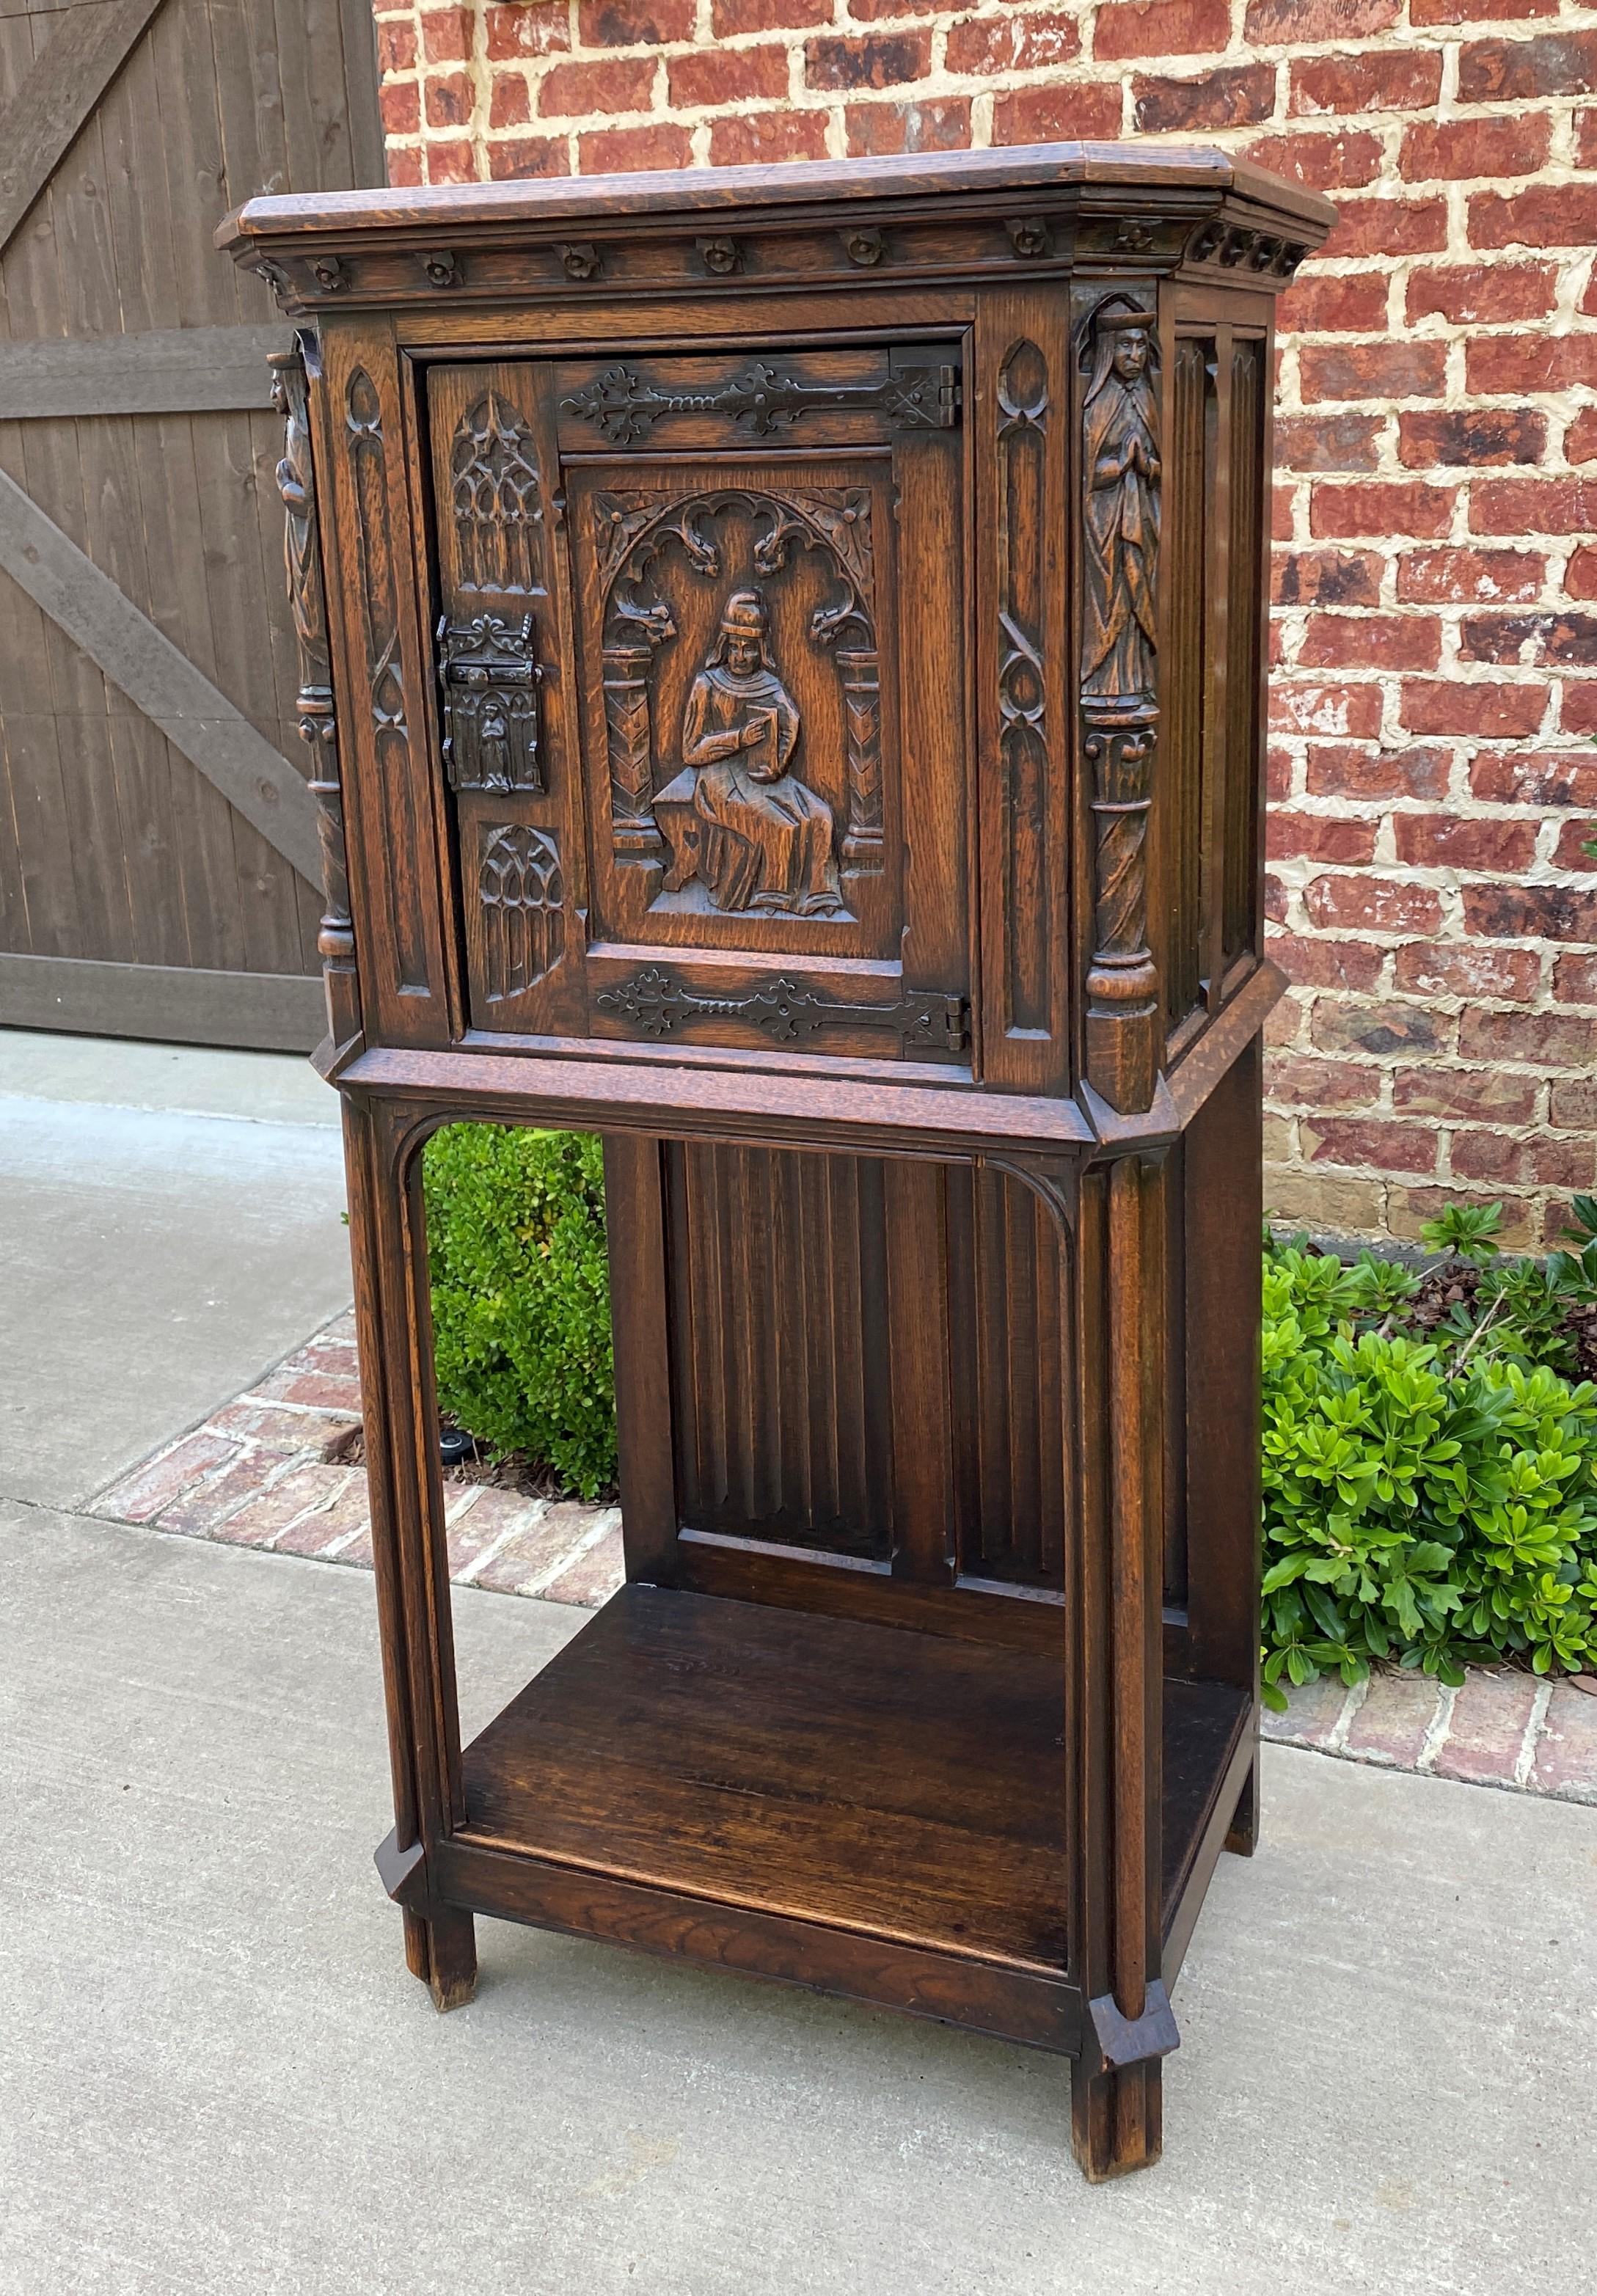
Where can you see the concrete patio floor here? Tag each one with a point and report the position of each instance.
(171, 1224)
(217, 2076)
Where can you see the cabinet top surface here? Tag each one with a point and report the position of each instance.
(1126, 177)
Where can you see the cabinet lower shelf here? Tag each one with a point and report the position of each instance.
(867, 1809)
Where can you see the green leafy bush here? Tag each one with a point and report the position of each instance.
(521, 1294)
(1430, 1464)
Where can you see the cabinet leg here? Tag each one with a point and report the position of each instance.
(1117, 2118)
(1243, 1838)
(440, 1949)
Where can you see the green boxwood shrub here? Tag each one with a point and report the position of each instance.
(1429, 1468)
(520, 1295)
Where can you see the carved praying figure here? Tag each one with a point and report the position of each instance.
(734, 816)
(1121, 445)
(296, 485)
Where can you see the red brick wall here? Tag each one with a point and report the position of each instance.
(1436, 634)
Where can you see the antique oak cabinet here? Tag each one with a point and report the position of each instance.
(783, 655)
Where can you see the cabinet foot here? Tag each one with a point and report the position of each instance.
(1242, 1835)
(1117, 2120)
(440, 1949)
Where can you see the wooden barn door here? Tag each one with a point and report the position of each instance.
(157, 845)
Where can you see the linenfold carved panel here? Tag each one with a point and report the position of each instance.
(753, 790)
(786, 1438)
(1122, 476)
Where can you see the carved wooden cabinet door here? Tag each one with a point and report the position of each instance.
(699, 646)
(505, 708)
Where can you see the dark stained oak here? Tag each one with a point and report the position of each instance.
(870, 1779)
(783, 652)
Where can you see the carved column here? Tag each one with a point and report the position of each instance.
(1122, 478)
(1116, 1689)
(631, 763)
(861, 674)
(1122, 1016)
(318, 728)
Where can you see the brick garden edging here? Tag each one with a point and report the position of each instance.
(263, 1471)
(258, 1473)
(1500, 1729)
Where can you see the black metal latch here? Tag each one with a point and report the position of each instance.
(657, 1004)
(490, 682)
(764, 399)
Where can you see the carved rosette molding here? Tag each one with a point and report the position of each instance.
(495, 499)
(721, 258)
(630, 529)
(318, 725)
(522, 893)
(1241, 236)
(385, 685)
(656, 1004)
(1122, 480)
(625, 405)
(1022, 684)
(864, 246)
(1031, 237)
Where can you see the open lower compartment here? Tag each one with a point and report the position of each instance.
(757, 1776)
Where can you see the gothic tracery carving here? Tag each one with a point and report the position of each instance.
(493, 494)
(1022, 684)
(522, 892)
(379, 617)
(367, 454)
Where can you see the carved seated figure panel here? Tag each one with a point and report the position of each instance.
(739, 650)
(737, 821)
